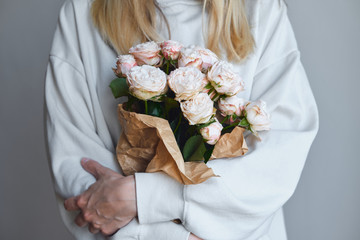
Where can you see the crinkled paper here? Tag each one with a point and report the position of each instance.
(147, 144)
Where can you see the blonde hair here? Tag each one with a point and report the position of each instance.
(126, 22)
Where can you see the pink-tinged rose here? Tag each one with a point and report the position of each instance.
(146, 82)
(224, 79)
(208, 58)
(198, 110)
(212, 133)
(257, 116)
(124, 64)
(186, 82)
(147, 53)
(170, 49)
(231, 106)
(190, 57)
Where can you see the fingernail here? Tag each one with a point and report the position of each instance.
(84, 160)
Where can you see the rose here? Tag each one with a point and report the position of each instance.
(146, 53)
(199, 109)
(208, 58)
(224, 79)
(231, 106)
(257, 116)
(146, 82)
(198, 57)
(190, 57)
(211, 134)
(124, 64)
(186, 82)
(171, 49)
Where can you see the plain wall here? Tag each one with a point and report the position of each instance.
(326, 202)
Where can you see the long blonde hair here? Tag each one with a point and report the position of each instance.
(124, 22)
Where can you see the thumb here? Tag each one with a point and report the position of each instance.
(94, 168)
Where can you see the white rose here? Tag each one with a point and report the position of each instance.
(186, 82)
(190, 57)
(257, 116)
(171, 49)
(146, 82)
(146, 53)
(224, 79)
(198, 110)
(124, 64)
(212, 133)
(231, 105)
(208, 58)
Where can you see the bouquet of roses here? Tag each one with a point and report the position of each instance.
(182, 111)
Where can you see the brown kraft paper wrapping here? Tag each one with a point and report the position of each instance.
(147, 144)
(230, 145)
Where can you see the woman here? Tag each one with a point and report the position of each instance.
(246, 201)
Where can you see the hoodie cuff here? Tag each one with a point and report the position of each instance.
(159, 198)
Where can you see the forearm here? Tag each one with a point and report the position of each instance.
(253, 187)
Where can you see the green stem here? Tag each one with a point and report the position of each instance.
(178, 124)
(210, 91)
(215, 96)
(225, 119)
(167, 67)
(230, 126)
(146, 107)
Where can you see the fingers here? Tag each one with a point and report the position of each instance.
(95, 227)
(70, 204)
(109, 229)
(106, 228)
(77, 203)
(80, 220)
(93, 167)
(92, 229)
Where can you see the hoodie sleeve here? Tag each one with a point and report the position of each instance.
(72, 132)
(241, 203)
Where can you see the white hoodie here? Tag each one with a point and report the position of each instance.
(245, 202)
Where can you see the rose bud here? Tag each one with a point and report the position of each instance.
(212, 133)
(190, 57)
(124, 64)
(186, 82)
(198, 110)
(231, 106)
(146, 53)
(224, 79)
(257, 116)
(208, 58)
(170, 49)
(146, 82)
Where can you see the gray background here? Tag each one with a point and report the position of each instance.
(326, 204)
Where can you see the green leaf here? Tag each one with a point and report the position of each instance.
(198, 155)
(119, 87)
(131, 101)
(208, 153)
(170, 104)
(174, 123)
(194, 149)
(155, 109)
(191, 130)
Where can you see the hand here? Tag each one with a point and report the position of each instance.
(109, 204)
(193, 237)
